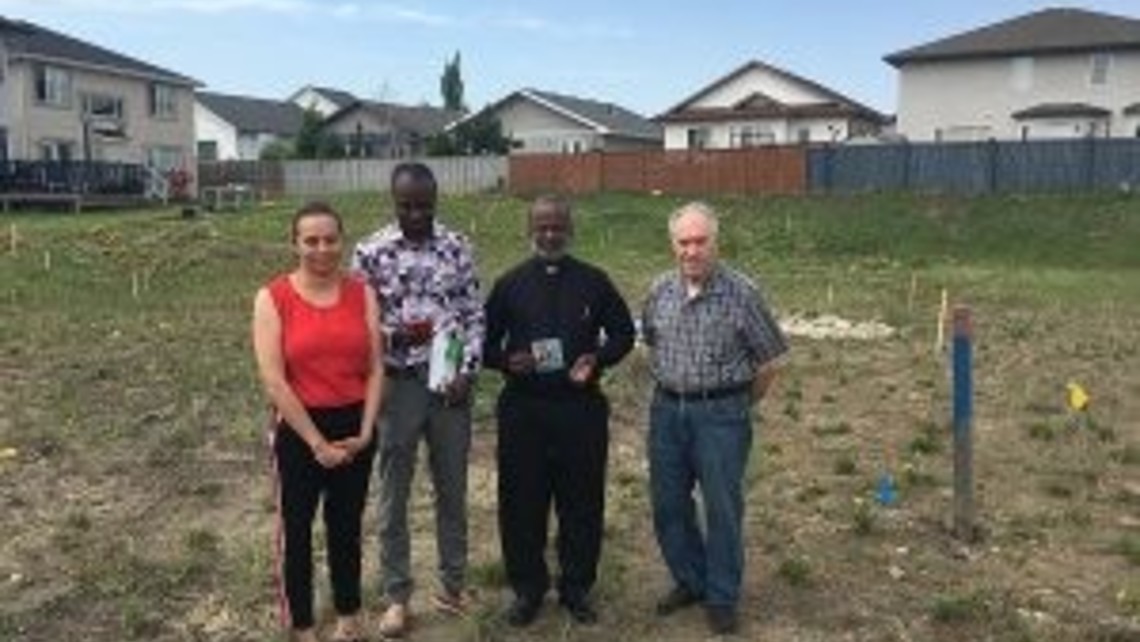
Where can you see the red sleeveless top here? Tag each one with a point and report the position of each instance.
(325, 349)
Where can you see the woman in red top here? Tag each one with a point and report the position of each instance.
(316, 339)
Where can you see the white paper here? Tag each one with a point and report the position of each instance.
(443, 365)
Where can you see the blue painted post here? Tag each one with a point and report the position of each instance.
(963, 424)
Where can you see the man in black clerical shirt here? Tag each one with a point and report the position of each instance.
(553, 324)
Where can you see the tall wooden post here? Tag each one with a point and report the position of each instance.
(963, 425)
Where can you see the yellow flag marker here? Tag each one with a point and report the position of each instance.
(1078, 397)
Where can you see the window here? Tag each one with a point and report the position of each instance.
(103, 106)
(1021, 73)
(208, 150)
(164, 157)
(750, 136)
(163, 101)
(698, 138)
(53, 86)
(1098, 68)
(57, 150)
(803, 135)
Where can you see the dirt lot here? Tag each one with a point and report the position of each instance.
(135, 500)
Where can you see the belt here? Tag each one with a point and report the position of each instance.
(406, 372)
(707, 394)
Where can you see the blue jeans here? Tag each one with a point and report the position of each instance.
(705, 444)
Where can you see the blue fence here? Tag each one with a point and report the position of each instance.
(977, 168)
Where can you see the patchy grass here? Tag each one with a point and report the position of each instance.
(133, 472)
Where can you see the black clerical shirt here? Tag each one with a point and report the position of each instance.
(559, 310)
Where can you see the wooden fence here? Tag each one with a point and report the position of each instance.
(759, 170)
(455, 175)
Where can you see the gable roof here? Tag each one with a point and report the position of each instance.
(28, 41)
(1040, 32)
(605, 117)
(338, 97)
(1062, 110)
(758, 105)
(422, 119)
(249, 114)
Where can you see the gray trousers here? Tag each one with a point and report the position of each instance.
(411, 412)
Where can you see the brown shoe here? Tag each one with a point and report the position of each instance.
(394, 622)
(458, 604)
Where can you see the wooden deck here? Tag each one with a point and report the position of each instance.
(75, 202)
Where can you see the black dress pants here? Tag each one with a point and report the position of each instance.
(303, 484)
(552, 449)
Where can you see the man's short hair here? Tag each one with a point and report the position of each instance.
(417, 171)
(696, 207)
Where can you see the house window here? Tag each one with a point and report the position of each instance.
(698, 138)
(1022, 73)
(103, 106)
(163, 101)
(56, 150)
(803, 135)
(53, 86)
(750, 136)
(208, 150)
(164, 157)
(1098, 68)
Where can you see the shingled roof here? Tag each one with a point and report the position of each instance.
(1041, 32)
(249, 114)
(615, 119)
(422, 119)
(25, 40)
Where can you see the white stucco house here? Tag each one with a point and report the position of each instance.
(761, 104)
(544, 122)
(229, 127)
(1054, 73)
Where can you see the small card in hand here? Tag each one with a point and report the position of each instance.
(547, 355)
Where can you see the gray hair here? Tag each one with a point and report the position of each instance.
(696, 207)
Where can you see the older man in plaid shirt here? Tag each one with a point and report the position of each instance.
(714, 347)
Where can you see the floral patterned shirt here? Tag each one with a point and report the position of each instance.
(431, 281)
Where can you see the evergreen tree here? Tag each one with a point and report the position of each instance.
(451, 85)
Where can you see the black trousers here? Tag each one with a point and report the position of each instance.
(552, 449)
(303, 483)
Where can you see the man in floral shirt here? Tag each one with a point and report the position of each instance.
(425, 276)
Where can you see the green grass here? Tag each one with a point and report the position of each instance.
(129, 391)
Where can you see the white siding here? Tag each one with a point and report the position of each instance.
(775, 86)
(208, 126)
(307, 98)
(540, 130)
(981, 95)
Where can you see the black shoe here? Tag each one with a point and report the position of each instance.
(523, 610)
(580, 609)
(722, 619)
(678, 598)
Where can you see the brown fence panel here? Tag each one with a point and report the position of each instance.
(760, 170)
(267, 178)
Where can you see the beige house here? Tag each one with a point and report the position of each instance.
(760, 104)
(370, 129)
(65, 99)
(1055, 73)
(543, 122)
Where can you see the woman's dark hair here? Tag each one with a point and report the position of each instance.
(315, 208)
(416, 171)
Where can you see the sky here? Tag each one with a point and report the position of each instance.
(643, 55)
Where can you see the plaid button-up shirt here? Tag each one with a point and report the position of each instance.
(433, 280)
(716, 339)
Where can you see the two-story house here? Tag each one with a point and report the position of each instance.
(761, 104)
(1055, 73)
(65, 99)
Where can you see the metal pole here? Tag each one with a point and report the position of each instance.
(963, 425)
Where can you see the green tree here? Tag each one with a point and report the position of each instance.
(310, 138)
(479, 135)
(451, 85)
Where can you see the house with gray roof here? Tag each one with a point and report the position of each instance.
(325, 100)
(65, 99)
(230, 127)
(544, 122)
(371, 129)
(1054, 73)
(759, 103)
